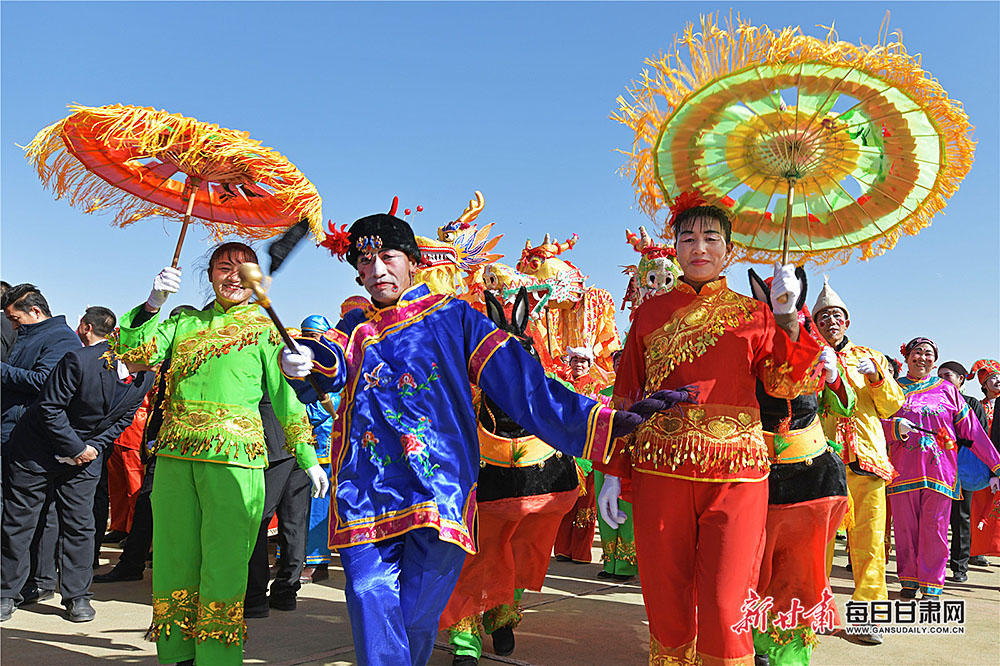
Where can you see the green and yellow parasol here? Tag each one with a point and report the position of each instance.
(819, 147)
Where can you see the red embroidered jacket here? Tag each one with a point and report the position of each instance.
(720, 341)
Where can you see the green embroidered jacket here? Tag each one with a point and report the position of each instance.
(220, 363)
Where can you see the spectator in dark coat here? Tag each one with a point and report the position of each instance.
(57, 448)
(41, 341)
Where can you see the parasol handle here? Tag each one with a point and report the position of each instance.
(192, 185)
(251, 276)
(786, 232)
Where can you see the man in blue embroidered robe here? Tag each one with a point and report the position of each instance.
(407, 459)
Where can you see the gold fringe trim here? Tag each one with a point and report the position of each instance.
(190, 353)
(218, 620)
(709, 454)
(194, 146)
(193, 430)
(715, 52)
(177, 609)
(221, 621)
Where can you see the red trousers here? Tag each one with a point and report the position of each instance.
(794, 561)
(575, 538)
(699, 546)
(985, 541)
(125, 473)
(515, 543)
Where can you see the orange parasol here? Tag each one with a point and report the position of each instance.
(141, 162)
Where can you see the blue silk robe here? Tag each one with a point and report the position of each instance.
(407, 452)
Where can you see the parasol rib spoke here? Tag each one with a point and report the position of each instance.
(911, 158)
(763, 219)
(833, 89)
(895, 113)
(865, 210)
(833, 211)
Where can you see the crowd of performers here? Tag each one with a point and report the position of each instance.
(484, 421)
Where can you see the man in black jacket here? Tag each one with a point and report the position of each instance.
(286, 491)
(57, 448)
(41, 341)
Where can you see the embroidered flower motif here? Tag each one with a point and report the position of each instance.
(406, 380)
(368, 442)
(416, 449)
(408, 386)
(412, 445)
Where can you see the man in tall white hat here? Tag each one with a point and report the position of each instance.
(864, 448)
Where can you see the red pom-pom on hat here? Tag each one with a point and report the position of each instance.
(692, 199)
(338, 241)
(685, 201)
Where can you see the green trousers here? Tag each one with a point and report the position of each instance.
(618, 543)
(465, 636)
(205, 522)
(785, 648)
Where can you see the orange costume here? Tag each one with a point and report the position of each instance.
(697, 473)
(125, 470)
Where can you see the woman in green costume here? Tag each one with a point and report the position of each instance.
(208, 491)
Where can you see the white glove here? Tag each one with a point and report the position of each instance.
(906, 426)
(867, 367)
(166, 282)
(607, 501)
(828, 358)
(320, 483)
(785, 289)
(65, 461)
(297, 363)
(994, 484)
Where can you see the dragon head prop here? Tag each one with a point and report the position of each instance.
(656, 273)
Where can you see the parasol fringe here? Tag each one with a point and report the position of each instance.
(715, 51)
(193, 145)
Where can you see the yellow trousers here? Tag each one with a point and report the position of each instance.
(866, 539)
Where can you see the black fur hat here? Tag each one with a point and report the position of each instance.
(378, 232)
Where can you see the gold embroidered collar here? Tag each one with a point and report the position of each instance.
(694, 328)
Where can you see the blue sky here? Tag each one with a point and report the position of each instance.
(434, 101)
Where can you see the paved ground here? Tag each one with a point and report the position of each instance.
(575, 619)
